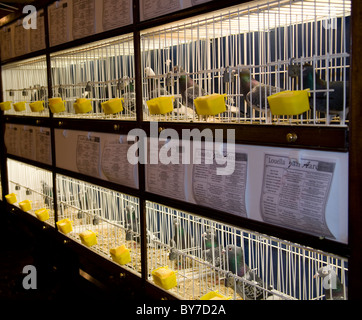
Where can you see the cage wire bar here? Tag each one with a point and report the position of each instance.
(31, 183)
(283, 45)
(100, 71)
(26, 81)
(210, 256)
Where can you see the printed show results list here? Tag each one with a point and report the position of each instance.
(295, 193)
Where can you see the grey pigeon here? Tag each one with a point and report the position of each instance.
(132, 232)
(157, 90)
(254, 92)
(237, 266)
(334, 289)
(212, 249)
(334, 97)
(189, 89)
(181, 239)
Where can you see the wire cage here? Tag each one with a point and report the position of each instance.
(223, 66)
(212, 259)
(33, 184)
(26, 81)
(102, 73)
(112, 216)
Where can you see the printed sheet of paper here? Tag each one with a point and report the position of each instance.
(27, 142)
(11, 137)
(43, 145)
(6, 45)
(83, 18)
(115, 165)
(88, 155)
(223, 192)
(58, 22)
(294, 193)
(117, 13)
(150, 9)
(166, 179)
(37, 36)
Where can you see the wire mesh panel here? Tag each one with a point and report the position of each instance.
(32, 184)
(26, 81)
(111, 216)
(98, 72)
(211, 259)
(225, 65)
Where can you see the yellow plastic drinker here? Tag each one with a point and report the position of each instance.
(42, 214)
(82, 105)
(36, 106)
(164, 277)
(65, 225)
(112, 106)
(56, 105)
(160, 105)
(6, 105)
(88, 238)
(25, 205)
(120, 254)
(11, 198)
(289, 103)
(210, 105)
(19, 106)
(214, 295)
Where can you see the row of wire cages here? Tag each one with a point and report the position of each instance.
(192, 257)
(30, 188)
(275, 61)
(96, 80)
(204, 259)
(25, 89)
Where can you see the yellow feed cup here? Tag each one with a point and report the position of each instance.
(65, 225)
(120, 254)
(6, 105)
(164, 277)
(42, 214)
(160, 105)
(25, 205)
(19, 106)
(11, 198)
(210, 105)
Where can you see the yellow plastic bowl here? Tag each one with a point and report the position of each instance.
(88, 238)
(289, 103)
(120, 254)
(19, 106)
(11, 198)
(36, 106)
(42, 214)
(25, 205)
(160, 105)
(210, 105)
(82, 105)
(214, 295)
(112, 106)
(56, 105)
(65, 225)
(6, 105)
(164, 277)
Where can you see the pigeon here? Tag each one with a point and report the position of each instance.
(181, 239)
(254, 92)
(131, 223)
(335, 97)
(334, 289)
(237, 266)
(211, 247)
(157, 90)
(188, 88)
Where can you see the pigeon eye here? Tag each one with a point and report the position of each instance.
(229, 249)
